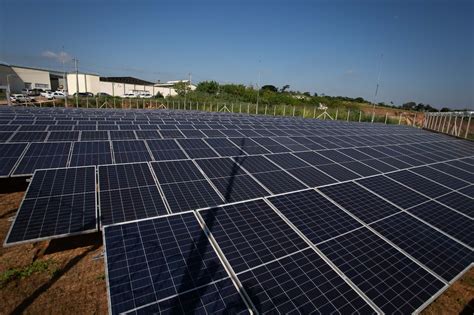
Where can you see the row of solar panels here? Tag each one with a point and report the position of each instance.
(22, 159)
(373, 243)
(135, 191)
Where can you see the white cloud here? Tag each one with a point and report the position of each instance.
(349, 72)
(60, 56)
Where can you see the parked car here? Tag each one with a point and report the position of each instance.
(32, 92)
(48, 94)
(145, 95)
(58, 95)
(20, 98)
(83, 94)
(129, 95)
(103, 94)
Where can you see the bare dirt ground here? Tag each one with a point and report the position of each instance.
(63, 277)
(50, 277)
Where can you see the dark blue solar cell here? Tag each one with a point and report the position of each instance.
(315, 216)
(43, 155)
(439, 177)
(248, 146)
(9, 155)
(191, 195)
(447, 220)
(438, 252)
(360, 202)
(390, 279)
(58, 202)
(164, 150)
(125, 176)
(287, 161)
(91, 153)
(420, 184)
(338, 172)
(239, 187)
(197, 148)
(176, 171)
(279, 181)
(301, 283)
(130, 151)
(311, 176)
(251, 233)
(28, 136)
(152, 260)
(313, 158)
(63, 136)
(392, 191)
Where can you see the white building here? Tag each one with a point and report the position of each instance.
(19, 77)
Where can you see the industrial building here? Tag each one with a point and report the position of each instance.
(20, 77)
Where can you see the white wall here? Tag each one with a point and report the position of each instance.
(20, 77)
(118, 89)
(87, 83)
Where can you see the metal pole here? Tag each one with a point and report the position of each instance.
(274, 110)
(304, 111)
(468, 125)
(337, 113)
(265, 109)
(77, 82)
(240, 107)
(444, 122)
(8, 90)
(348, 114)
(294, 108)
(314, 112)
(360, 115)
(414, 120)
(386, 116)
(258, 90)
(284, 110)
(400, 119)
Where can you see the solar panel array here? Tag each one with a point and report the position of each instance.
(228, 213)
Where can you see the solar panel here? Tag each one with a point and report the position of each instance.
(251, 233)
(313, 158)
(94, 135)
(9, 155)
(221, 167)
(311, 176)
(224, 147)
(448, 221)
(163, 150)
(420, 184)
(454, 171)
(171, 134)
(91, 153)
(184, 187)
(197, 148)
(239, 187)
(279, 181)
(167, 264)
(390, 279)
(301, 283)
(257, 164)
(287, 160)
(335, 156)
(468, 191)
(130, 151)
(122, 135)
(338, 172)
(27, 136)
(379, 165)
(248, 145)
(128, 192)
(392, 191)
(147, 134)
(438, 252)
(360, 168)
(43, 156)
(63, 136)
(315, 216)
(271, 145)
(58, 202)
(363, 204)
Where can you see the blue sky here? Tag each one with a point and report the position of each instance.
(330, 47)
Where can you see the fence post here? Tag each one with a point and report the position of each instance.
(386, 116)
(274, 110)
(360, 115)
(348, 114)
(468, 124)
(248, 108)
(294, 108)
(87, 101)
(337, 113)
(240, 107)
(266, 109)
(400, 119)
(96, 103)
(460, 125)
(314, 112)
(284, 110)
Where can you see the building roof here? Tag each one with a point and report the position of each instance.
(127, 80)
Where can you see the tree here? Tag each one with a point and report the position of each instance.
(409, 105)
(306, 94)
(315, 94)
(284, 88)
(210, 87)
(270, 88)
(445, 109)
(181, 88)
(360, 100)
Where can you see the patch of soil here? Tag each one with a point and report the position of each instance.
(457, 299)
(74, 282)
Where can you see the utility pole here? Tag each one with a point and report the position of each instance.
(65, 87)
(77, 81)
(377, 88)
(258, 87)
